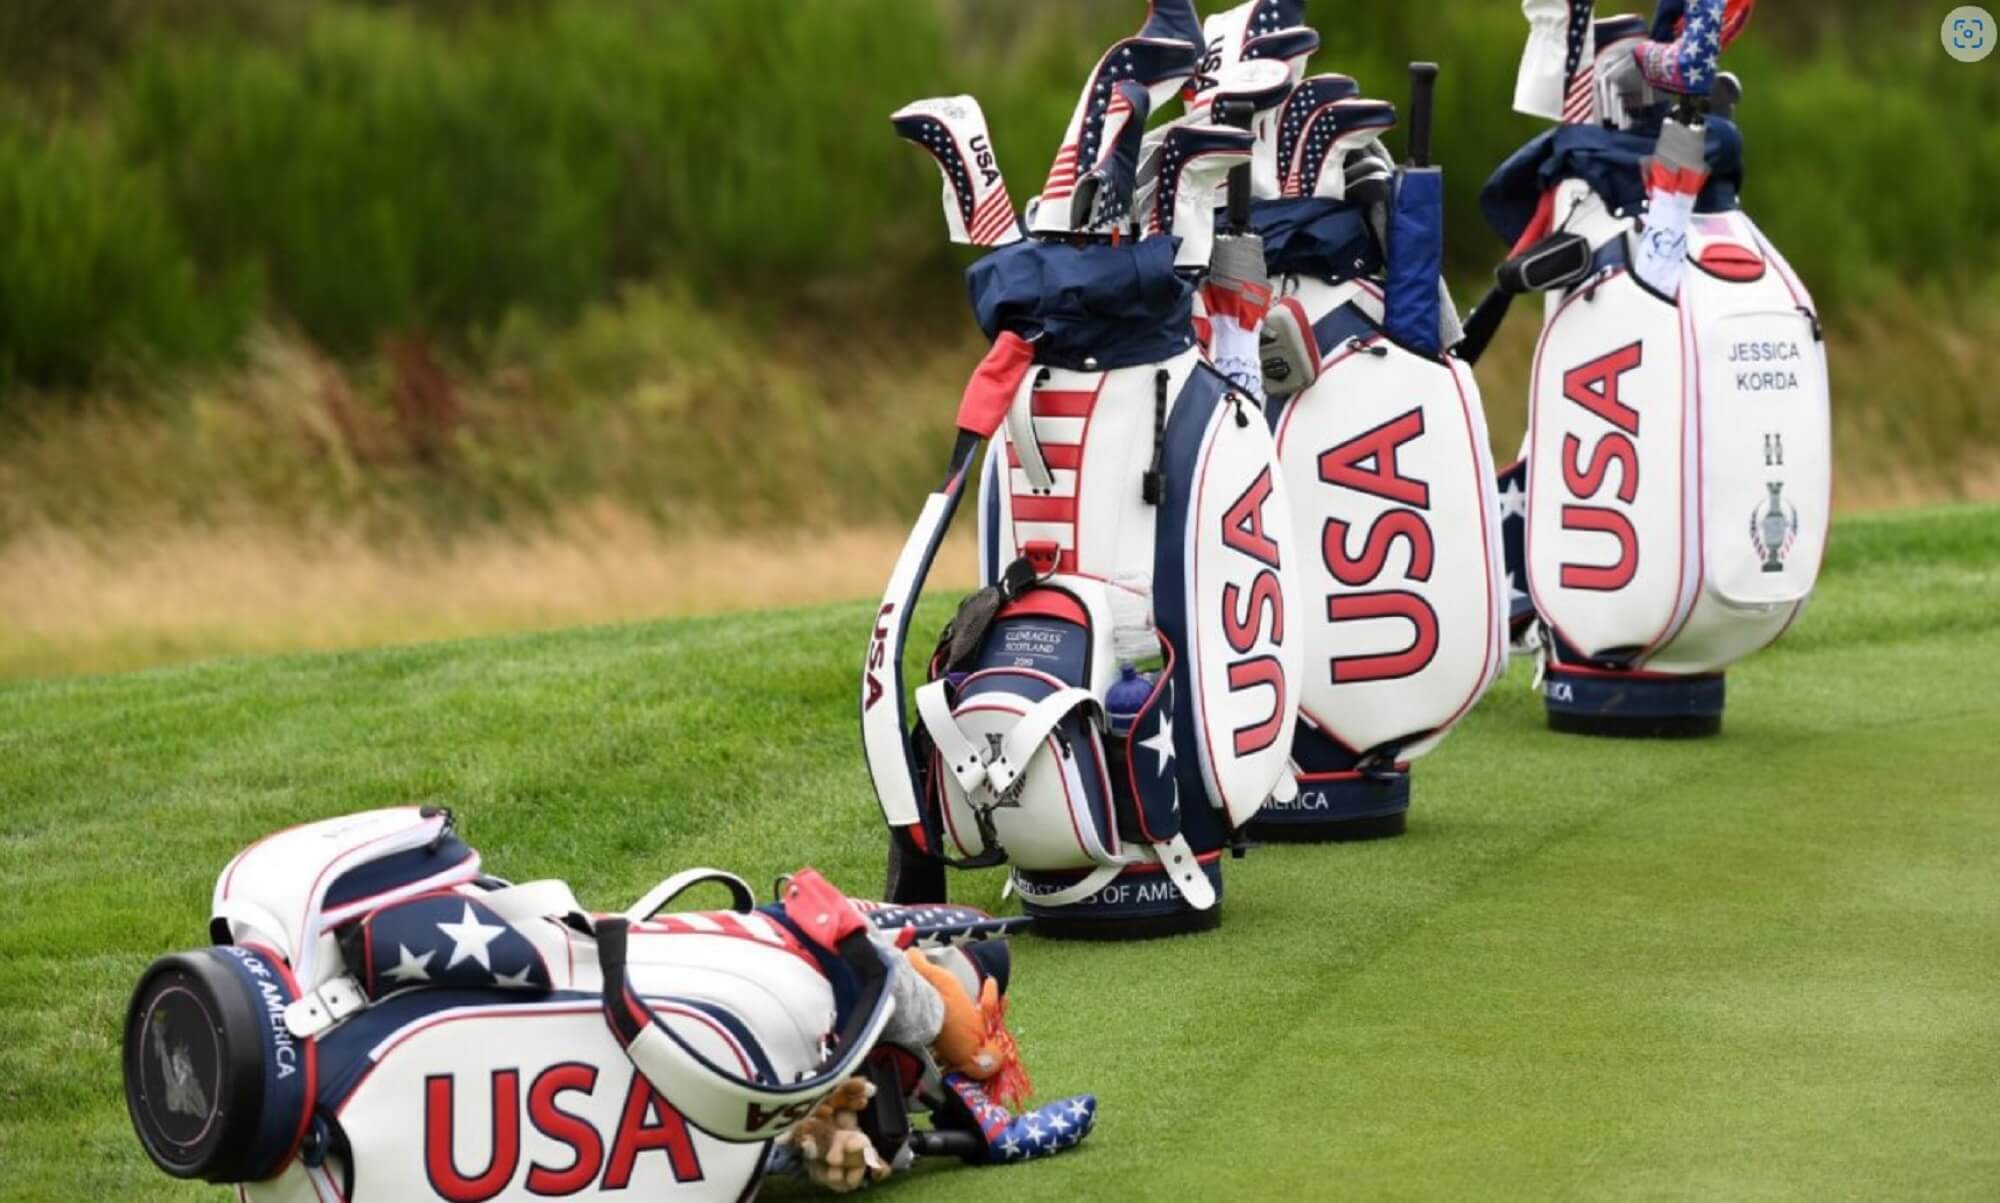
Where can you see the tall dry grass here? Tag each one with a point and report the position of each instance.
(72, 604)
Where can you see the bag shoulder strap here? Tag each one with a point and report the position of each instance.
(727, 1105)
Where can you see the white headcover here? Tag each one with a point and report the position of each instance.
(978, 209)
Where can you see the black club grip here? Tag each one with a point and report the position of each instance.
(1423, 99)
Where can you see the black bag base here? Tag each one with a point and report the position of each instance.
(1136, 905)
(1633, 705)
(1110, 930)
(1338, 808)
(1333, 831)
(1613, 726)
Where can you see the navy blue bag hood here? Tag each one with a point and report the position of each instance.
(1609, 161)
(1314, 236)
(1092, 307)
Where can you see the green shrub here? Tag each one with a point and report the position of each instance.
(93, 270)
(429, 166)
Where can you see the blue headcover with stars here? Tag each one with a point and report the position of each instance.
(443, 940)
(1042, 1132)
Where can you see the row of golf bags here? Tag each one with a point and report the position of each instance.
(378, 1017)
(1243, 554)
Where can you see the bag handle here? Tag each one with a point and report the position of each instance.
(741, 898)
(722, 1103)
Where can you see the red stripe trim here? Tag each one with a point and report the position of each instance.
(1054, 404)
(1044, 509)
(1055, 455)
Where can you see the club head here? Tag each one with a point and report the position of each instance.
(1558, 261)
(1725, 96)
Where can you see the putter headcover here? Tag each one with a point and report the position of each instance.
(1004, 1136)
(1670, 18)
(1686, 65)
(952, 130)
(1331, 134)
(1164, 53)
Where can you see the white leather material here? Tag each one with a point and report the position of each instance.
(965, 762)
(283, 879)
(1246, 650)
(1021, 435)
(1681, 527)
(1029, 736)
(1610, 540)
(1388, 463)
(1043, 815)
(657, 898)
(1184, 870)
(449, 1060)
(882, 732)
(317, 1010)
(530, 900)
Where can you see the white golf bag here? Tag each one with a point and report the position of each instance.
(1120, 698)
(378, 1019)
(1678, 459)
(1383, 443)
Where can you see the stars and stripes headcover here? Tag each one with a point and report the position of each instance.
(443, 940)
(1042, 1132)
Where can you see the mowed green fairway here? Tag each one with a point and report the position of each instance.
(1765, 966)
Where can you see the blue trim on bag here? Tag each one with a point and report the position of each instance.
(1644, 697)
(284, 1104)
(401, 869)
(1187, 429)
(1141, 895)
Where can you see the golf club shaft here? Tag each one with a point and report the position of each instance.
(1240, 114)
(1483, 323)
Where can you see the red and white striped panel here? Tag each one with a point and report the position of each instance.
(1061, 417)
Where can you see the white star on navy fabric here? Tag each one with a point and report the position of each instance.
(515, 981)
(1011, 1147)
(1161, 743)
(411, 968)
(471, 939)
(1513, 501)
(1077, 1110)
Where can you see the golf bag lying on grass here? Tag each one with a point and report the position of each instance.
(1382, 438)
(379, 1019)
(1120, 698)
(1678, 459)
